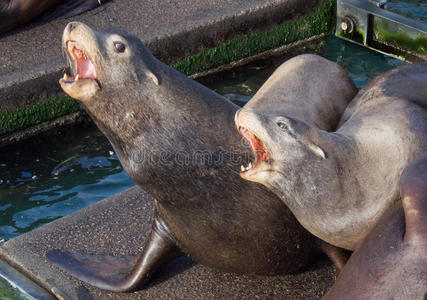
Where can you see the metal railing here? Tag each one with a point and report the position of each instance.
(367, 22)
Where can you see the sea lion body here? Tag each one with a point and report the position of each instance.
(175, 138)
(342, 182)
(313, 90)
(391, 262)
(15, 13)
(308, 87)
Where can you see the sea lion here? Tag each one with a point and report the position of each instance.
(308, 87)
(175, 138)
(338, 184)
(15, 13)
(391, 262)
(316, 91)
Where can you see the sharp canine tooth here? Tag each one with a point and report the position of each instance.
(250, 165)
(65, 76)
(77, 77)
(242, 168)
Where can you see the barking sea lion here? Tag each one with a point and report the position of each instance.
(338, 184)
(391, 263)
(175, 138)
(311, 89)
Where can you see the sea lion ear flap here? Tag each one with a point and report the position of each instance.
(152, 77)
(317, 150)
(413, 190)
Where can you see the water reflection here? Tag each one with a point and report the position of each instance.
(415, 9)
(67, 175)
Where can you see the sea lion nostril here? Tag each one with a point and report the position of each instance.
(72, 26)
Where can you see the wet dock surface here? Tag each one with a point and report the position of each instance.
(119, 225)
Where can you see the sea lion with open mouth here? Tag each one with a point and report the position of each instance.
(175, 138)
(313, 90)
(338, 184)
(391, 263)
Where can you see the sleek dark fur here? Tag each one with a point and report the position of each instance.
(176, 139)
(15, 13)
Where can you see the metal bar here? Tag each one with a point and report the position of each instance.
(366, 23)
(379, 3)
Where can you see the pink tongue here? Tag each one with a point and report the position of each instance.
(86, 69)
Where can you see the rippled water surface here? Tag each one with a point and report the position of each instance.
(416, 9)
(51, 178)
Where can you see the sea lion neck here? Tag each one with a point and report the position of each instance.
(168, 106)
(322, 185)
(153, 120)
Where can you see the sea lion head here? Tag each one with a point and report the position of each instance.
(280, 144)
(102, 62)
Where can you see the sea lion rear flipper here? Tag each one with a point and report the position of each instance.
(109, 273)
(413, 190)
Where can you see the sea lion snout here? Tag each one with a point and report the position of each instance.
(250, 125)
(75, 28)
(78, 41)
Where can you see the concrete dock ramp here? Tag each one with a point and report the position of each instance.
(119, 225)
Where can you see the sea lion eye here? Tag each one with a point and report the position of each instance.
(283, 125)
(119, 47)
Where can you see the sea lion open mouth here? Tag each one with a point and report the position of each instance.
(258, 147)
(81, 64)
(84, 84)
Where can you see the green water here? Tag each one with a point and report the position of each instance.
(49, 178)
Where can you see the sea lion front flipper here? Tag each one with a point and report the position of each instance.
(106, 272)
(413, 190)
(337, 255)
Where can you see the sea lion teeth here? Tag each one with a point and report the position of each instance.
(242, 168)
(77, 77)
(65, 76)
(250, 165)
